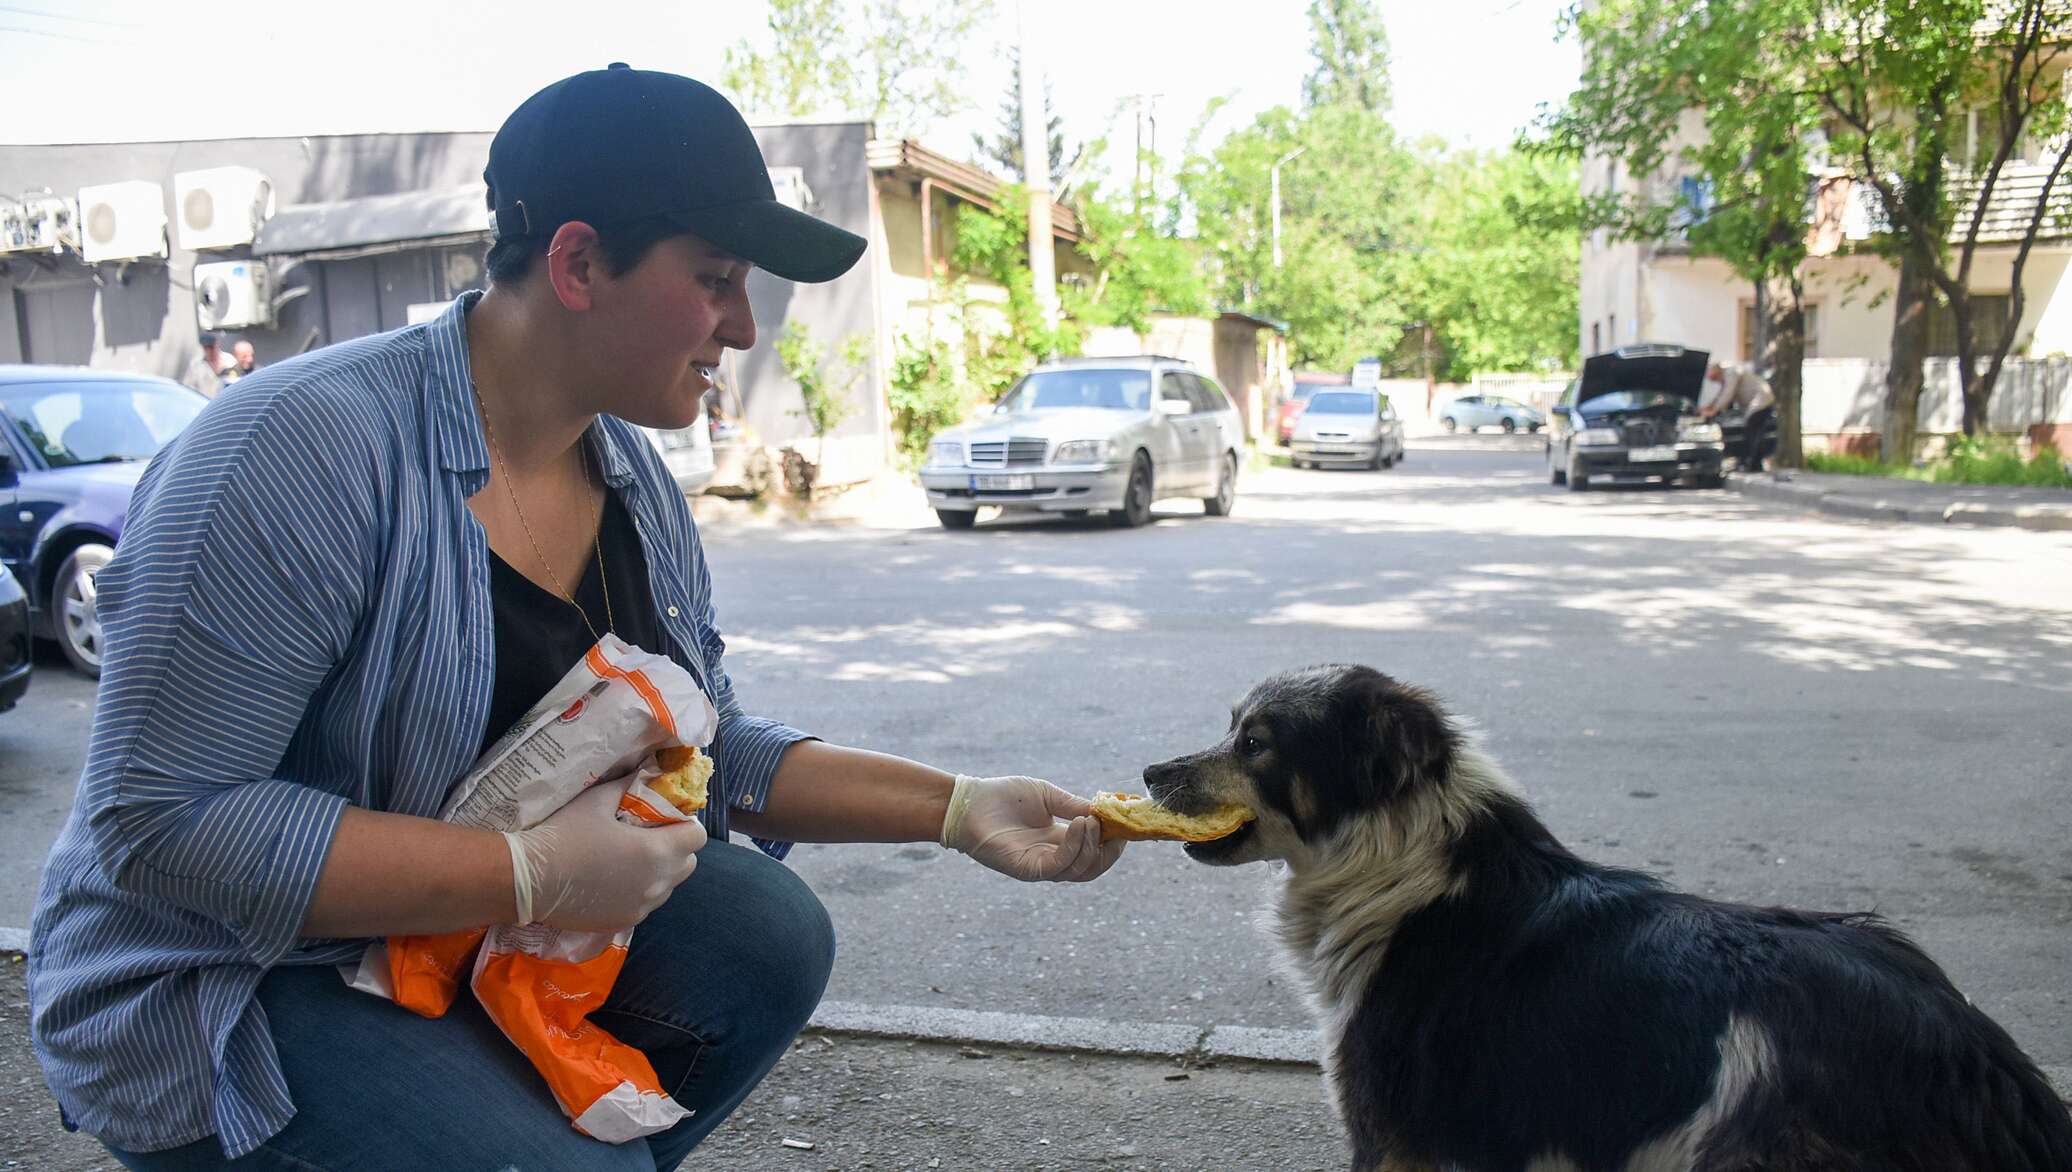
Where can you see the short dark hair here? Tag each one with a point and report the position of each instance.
(625, 245)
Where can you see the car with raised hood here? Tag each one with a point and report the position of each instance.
(1344, 427)
(1087, 434)
(73, 444)
(1632, 415)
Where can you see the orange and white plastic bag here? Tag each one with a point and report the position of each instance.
(601, 725)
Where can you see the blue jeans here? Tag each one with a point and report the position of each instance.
(717, 983)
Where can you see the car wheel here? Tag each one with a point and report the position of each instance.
(75, 607)
(1446, 421)
(1226, 490)
(1136, 499)
(1577, 481)
(957, 518)
(1510, 425)
(1711, 480)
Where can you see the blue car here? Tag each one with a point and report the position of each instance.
(73, 443)
(16, 660)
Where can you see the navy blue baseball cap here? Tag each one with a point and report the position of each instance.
(620, 144)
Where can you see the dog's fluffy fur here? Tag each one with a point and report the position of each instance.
(1490, 1002)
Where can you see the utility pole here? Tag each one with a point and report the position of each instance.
(1277, 202)
(1036, 170)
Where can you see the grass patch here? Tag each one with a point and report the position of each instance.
(1969, 461)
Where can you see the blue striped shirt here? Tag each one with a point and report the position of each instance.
(297, 620)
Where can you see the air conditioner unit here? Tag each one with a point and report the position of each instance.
(45, 223)
(221, 207)
(232, 294)
(122, 221)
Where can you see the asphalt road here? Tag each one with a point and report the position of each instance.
(1756, 703)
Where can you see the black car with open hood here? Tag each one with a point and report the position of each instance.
(1632, 415)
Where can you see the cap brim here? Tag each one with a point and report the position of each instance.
(780, 239)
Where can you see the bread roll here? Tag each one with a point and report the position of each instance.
(1135, 817)
(688, 773)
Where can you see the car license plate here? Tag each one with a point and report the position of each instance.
(1651, 455)
(1014, 483)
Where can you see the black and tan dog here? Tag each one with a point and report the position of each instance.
(1489, 1001)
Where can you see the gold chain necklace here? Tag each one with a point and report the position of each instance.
(596, 544)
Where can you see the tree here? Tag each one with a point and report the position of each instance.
(902, 66)
(1897, 74)
(1494, 270)
(1004, 146)
(1712, 99)
(1351, 49)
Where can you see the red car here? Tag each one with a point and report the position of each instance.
(1287, 409)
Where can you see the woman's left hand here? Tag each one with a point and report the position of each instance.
(1011, 825)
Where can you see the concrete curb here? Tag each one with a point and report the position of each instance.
(14, 940)
(1078, 1035)
(1864, 506)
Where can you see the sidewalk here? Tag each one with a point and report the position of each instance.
(1882, 498)
(872, 1088)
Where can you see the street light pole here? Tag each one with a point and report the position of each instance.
(1277, 202)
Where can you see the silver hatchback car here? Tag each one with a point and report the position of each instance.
(1092, 433)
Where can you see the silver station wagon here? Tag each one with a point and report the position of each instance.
(1092, 433)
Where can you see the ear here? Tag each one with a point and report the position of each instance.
(575, 264)
(1395, 736)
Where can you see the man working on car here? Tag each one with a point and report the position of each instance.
(1743, 387)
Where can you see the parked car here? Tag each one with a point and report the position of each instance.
(73, 443)
(1287, 410)
(1633, 415)
(1347, 427)
(17, 655)
(687, 452)
(1092, 433)
(1473, 411)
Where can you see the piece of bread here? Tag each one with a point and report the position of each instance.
(688, 773)
(1135, 817)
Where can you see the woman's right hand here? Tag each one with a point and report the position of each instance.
(584, 870)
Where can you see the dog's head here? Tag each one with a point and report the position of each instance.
(1310, 751)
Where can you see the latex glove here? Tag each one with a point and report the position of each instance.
(1011, 825)
(585, 870)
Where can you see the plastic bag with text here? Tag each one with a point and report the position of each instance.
(600, 725)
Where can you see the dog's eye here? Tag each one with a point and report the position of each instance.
(1250, 746)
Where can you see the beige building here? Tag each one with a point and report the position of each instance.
(1657, 291)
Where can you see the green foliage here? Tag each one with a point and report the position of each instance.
(826, 396)
(1351, 50)
(1973, 460)
(1969, 460)
(926, 396)
(901, 65)
(1496, 269)
(1713, 93)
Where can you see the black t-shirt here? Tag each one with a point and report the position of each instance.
(540, 636)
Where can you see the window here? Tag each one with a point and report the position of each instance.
(1596, 341)
(1174, 387)
(94, 423)
(1749, 331)
(1113, 390)
(1207, 395)
(1988, 323)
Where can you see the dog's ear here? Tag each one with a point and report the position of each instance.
(1396, 737)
